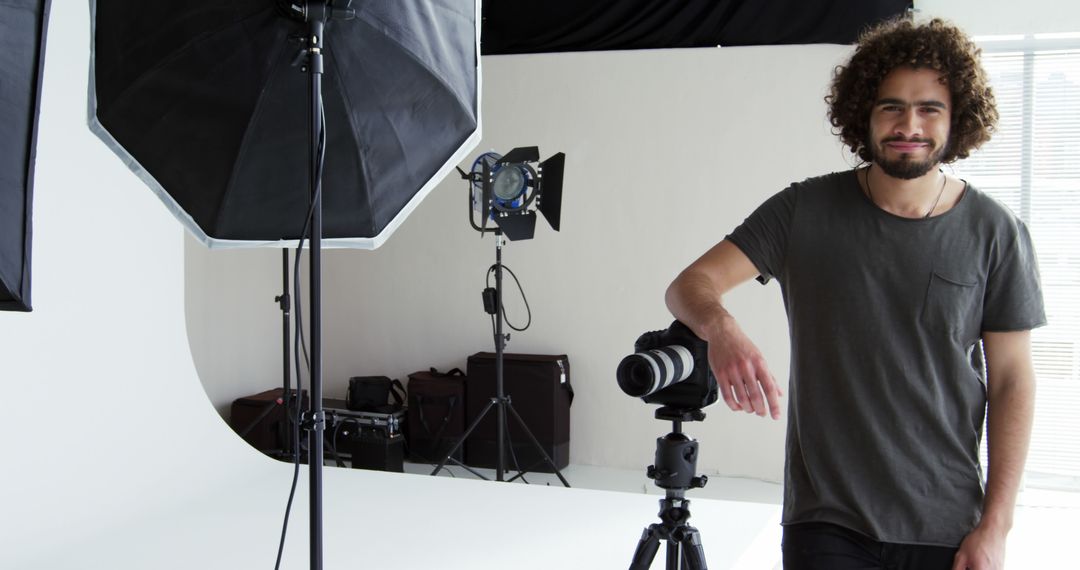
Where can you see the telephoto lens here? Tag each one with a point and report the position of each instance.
(644, 373)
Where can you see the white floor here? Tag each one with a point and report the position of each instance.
(1045, 525)
(393, 521)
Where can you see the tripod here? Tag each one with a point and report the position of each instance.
(674, 471)
(500, 402)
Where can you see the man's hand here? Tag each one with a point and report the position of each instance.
(694, 299)
(741, 373)
(1010, 395)
(983, 549)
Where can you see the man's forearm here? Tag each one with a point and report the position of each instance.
(694, 297)
(694, 300)
(1010, 413)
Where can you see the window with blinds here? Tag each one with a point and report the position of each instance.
(1032, 165)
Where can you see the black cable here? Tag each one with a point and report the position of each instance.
(502, 307)
(298, 336)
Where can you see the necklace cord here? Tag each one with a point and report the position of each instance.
(944, 181)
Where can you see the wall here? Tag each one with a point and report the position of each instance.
(666, 152)
(1004, 17)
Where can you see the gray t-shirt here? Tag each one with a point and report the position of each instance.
(886, 407)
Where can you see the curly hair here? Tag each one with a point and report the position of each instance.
(933, 45)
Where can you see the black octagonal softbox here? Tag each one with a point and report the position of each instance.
(207, 101)
(22, 55)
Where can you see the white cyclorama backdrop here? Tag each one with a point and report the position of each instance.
(115, 458)
(666, 150)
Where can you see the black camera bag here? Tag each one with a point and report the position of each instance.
(436, 414)
(374, 394)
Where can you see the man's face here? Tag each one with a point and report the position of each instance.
(909, 123)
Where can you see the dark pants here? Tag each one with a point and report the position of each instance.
(823, 546)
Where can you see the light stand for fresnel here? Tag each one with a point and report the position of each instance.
(509, 190)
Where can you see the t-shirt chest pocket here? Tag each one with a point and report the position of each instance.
(953, 305)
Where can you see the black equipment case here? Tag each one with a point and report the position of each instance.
(261, 420)
(540, 391)
(436, 415)
(370, 440)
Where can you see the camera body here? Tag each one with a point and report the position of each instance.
(671, 368)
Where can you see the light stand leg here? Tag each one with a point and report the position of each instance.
(536, 443)
(462, 439)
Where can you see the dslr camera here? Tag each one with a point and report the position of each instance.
(670, 368)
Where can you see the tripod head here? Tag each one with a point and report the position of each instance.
(679, 415)
(674, 471)
(675, 463)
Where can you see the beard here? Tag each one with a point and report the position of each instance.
(906, 168)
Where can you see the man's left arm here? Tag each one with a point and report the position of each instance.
(1010, 394)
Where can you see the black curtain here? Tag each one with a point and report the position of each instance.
(538, 26)
(22, 49)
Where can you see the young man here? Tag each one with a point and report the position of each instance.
(891, 274)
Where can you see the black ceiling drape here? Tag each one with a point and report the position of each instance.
(538, 26)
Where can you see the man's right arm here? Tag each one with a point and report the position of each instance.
(695, 298)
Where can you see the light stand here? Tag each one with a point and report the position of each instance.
(674, 471)
(287, 399)
(316, 14)
(290, 401)
(501, 401)
(509, 191)
(232, 121)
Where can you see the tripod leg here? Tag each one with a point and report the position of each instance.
(464, 436)
(674, 555)
(646, 549)
(536, 444)
(693, 553)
